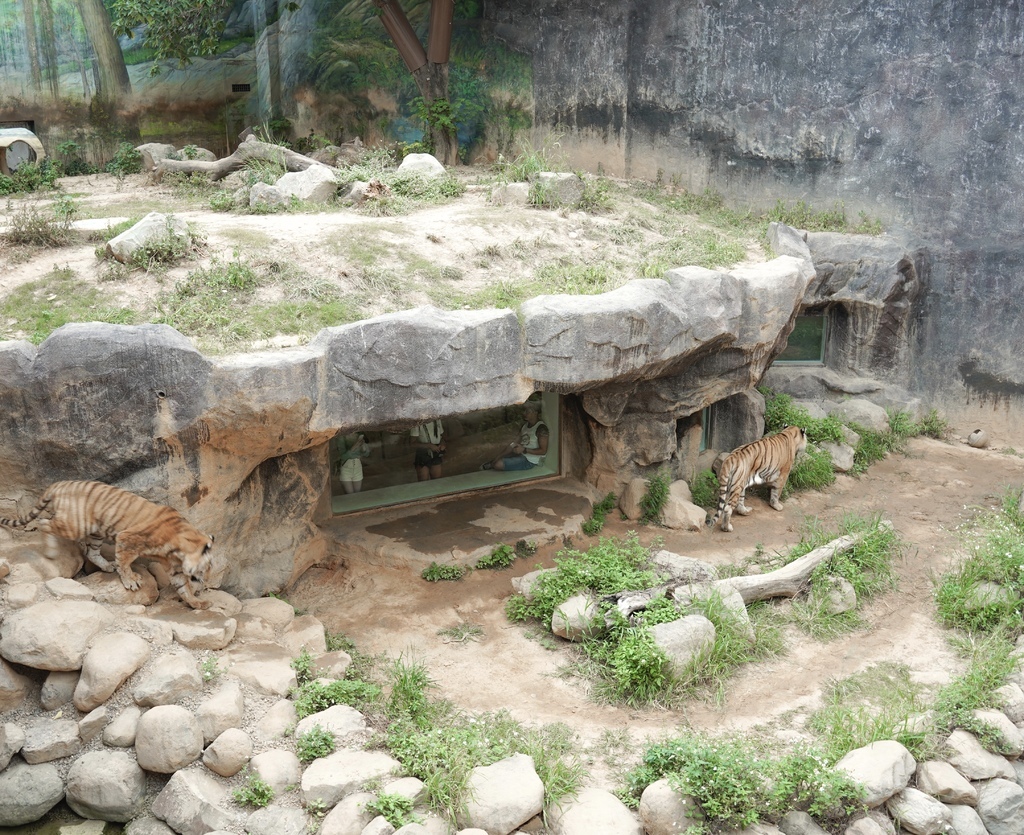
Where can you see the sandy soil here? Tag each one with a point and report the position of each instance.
(927, 494)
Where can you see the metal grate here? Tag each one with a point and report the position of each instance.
(241, 88)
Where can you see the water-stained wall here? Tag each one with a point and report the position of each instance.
(909, 112)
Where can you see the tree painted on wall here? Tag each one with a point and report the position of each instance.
(113, 84)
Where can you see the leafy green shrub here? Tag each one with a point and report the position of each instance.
(396, 809)
(653, 502)
(315, 696)
(595, 524)
(256, 792)
(29, 177)
(222, 201)
(209, 669)
(525, 548)
(780, 411)
(126, 160)
(71, 161)
(608, 567)
(501, 556)
(704, 489)
(435, 572)
(303, 666)
(735, 787)
(316, 742)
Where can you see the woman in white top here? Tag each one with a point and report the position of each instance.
(529, 449)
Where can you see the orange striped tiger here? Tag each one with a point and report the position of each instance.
(89, 513)
(767, 461)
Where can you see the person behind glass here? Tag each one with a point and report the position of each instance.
(530, 448)
(428, 438)
(350, 470)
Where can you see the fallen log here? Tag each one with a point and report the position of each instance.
(250, 149)
(791, 579)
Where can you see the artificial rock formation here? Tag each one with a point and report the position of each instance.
(239, 444)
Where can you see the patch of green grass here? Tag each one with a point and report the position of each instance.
(736, 786)
(701, 247)
(42, 225)
(396, 809)
(991, 660)
(994, 545)
(608, 567)
(461, 633)
(443, 753)
(813, 470)
(315, 696)
(879, 703)
(40, 307)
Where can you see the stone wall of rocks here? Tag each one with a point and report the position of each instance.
(133, 708)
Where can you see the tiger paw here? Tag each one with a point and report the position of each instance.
(131, 581)
(777, 505)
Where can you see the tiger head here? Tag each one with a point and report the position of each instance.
(198, 562)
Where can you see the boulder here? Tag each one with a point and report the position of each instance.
(50, 739)
(664, 812)
(107, 786)
(167, 739)
(426, 165)
(106, 666)
(317, 184)
(684, 639)
(228, 753)
(27, 792)
(503, 796)
(331, 778)
(52, 635)
(193, 803)
(154, 229)
(168, 679)
(13, 687)
(884, 768)
(223, 710)
(593, 812)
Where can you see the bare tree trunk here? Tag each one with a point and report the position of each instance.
(49, 45)
(114, 84)
(251, 149)
(432, 81)
(32, 44)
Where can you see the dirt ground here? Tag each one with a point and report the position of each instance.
(927, 494)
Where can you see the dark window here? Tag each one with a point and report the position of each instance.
(379, 467)
(241, 88)
(807, 341)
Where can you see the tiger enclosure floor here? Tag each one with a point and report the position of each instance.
(927, 493)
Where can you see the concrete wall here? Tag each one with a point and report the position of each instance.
(909, 111)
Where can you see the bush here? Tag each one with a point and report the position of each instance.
(502, 556)
(434, 572)
(47, 226)
(256, 792)
(595, 524)
(315, 696)
(704, 489)
(396, 809)
(315, 743)
(653, 502)
(126, 160)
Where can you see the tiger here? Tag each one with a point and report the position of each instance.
(90, 513)
(766, 461)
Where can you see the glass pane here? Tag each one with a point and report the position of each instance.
(807, 342)
(377, 468)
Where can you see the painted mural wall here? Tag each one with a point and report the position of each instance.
(308, 72)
